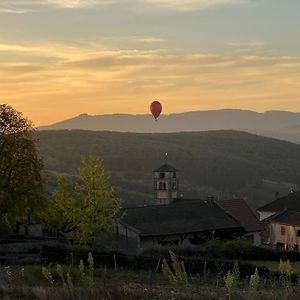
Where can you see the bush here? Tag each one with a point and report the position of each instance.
(239, 248)
(214, 248)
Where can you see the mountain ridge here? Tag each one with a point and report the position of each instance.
(279, 124)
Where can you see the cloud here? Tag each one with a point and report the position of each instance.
(254, 44)
(77, 3)
(8, 10)
(188, 5)
(97, 79)
(23, 6)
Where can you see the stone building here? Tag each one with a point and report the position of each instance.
(182, 222)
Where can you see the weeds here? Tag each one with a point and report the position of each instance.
(253, 286)
(230, 285)
(178, 275)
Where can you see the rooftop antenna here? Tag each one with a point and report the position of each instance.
(166, 157)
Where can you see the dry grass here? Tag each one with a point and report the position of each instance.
(122, 284)
(133, 292)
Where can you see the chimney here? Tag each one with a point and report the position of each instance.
(210, 200)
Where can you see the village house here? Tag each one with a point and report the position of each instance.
(185, 222)
(239, 209)
(280, 221)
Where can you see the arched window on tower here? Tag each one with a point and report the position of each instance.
(161, 186)
(174, 186)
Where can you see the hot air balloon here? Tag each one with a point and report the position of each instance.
(156, 109)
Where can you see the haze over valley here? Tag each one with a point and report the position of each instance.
(278, 124)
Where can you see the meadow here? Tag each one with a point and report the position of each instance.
(171, 282)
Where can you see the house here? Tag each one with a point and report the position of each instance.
(239, 209)
(184, 222)
(290, 202)
(29, 227)
(280, 221)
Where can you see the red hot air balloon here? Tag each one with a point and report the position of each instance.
(156, 109)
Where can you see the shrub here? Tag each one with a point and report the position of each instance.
(214, 248)
(239, 248)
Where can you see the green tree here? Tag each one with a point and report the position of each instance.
(83, 209)
(21, 187)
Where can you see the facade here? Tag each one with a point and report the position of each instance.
(30, 230)
(280, 221)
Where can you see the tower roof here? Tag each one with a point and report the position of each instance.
(166, 168)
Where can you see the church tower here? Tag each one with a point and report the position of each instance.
(166, 184)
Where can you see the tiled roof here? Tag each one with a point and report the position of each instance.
(288, 218)
(166, 168)
(240, 210)
(289, 202)
(179, 217)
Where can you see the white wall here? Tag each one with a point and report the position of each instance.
(289, 238)
(265, 214)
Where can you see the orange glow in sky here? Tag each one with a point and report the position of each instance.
(59, 59)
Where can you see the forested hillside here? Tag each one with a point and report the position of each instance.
(222, 163)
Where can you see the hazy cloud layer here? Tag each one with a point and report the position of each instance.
(23, 6)
(187, 5)
(52, 82)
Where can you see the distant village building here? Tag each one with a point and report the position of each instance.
(280, 220)
(185, 222)
(239, 209)
(29, 227)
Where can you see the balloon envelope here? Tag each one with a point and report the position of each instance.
(156, 109)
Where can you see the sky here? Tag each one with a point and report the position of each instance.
(61, 58)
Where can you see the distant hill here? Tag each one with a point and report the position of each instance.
(222, 163)
(278, 124)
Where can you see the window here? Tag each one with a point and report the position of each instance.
(174, 174)
(174, 186)
(298, 232)
(162, 186)
(282, 230)
(161, 175)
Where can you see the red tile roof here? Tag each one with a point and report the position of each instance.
(240, 210)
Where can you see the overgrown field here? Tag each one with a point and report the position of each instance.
(171, 282)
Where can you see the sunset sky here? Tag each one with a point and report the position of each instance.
(60, 58)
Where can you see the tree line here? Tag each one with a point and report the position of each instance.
(78, 210)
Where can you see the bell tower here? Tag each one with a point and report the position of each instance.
(166, 184)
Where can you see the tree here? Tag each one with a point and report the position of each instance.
(80, 210)
(21, 187)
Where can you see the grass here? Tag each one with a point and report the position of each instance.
(273, 265)
(66, 282)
